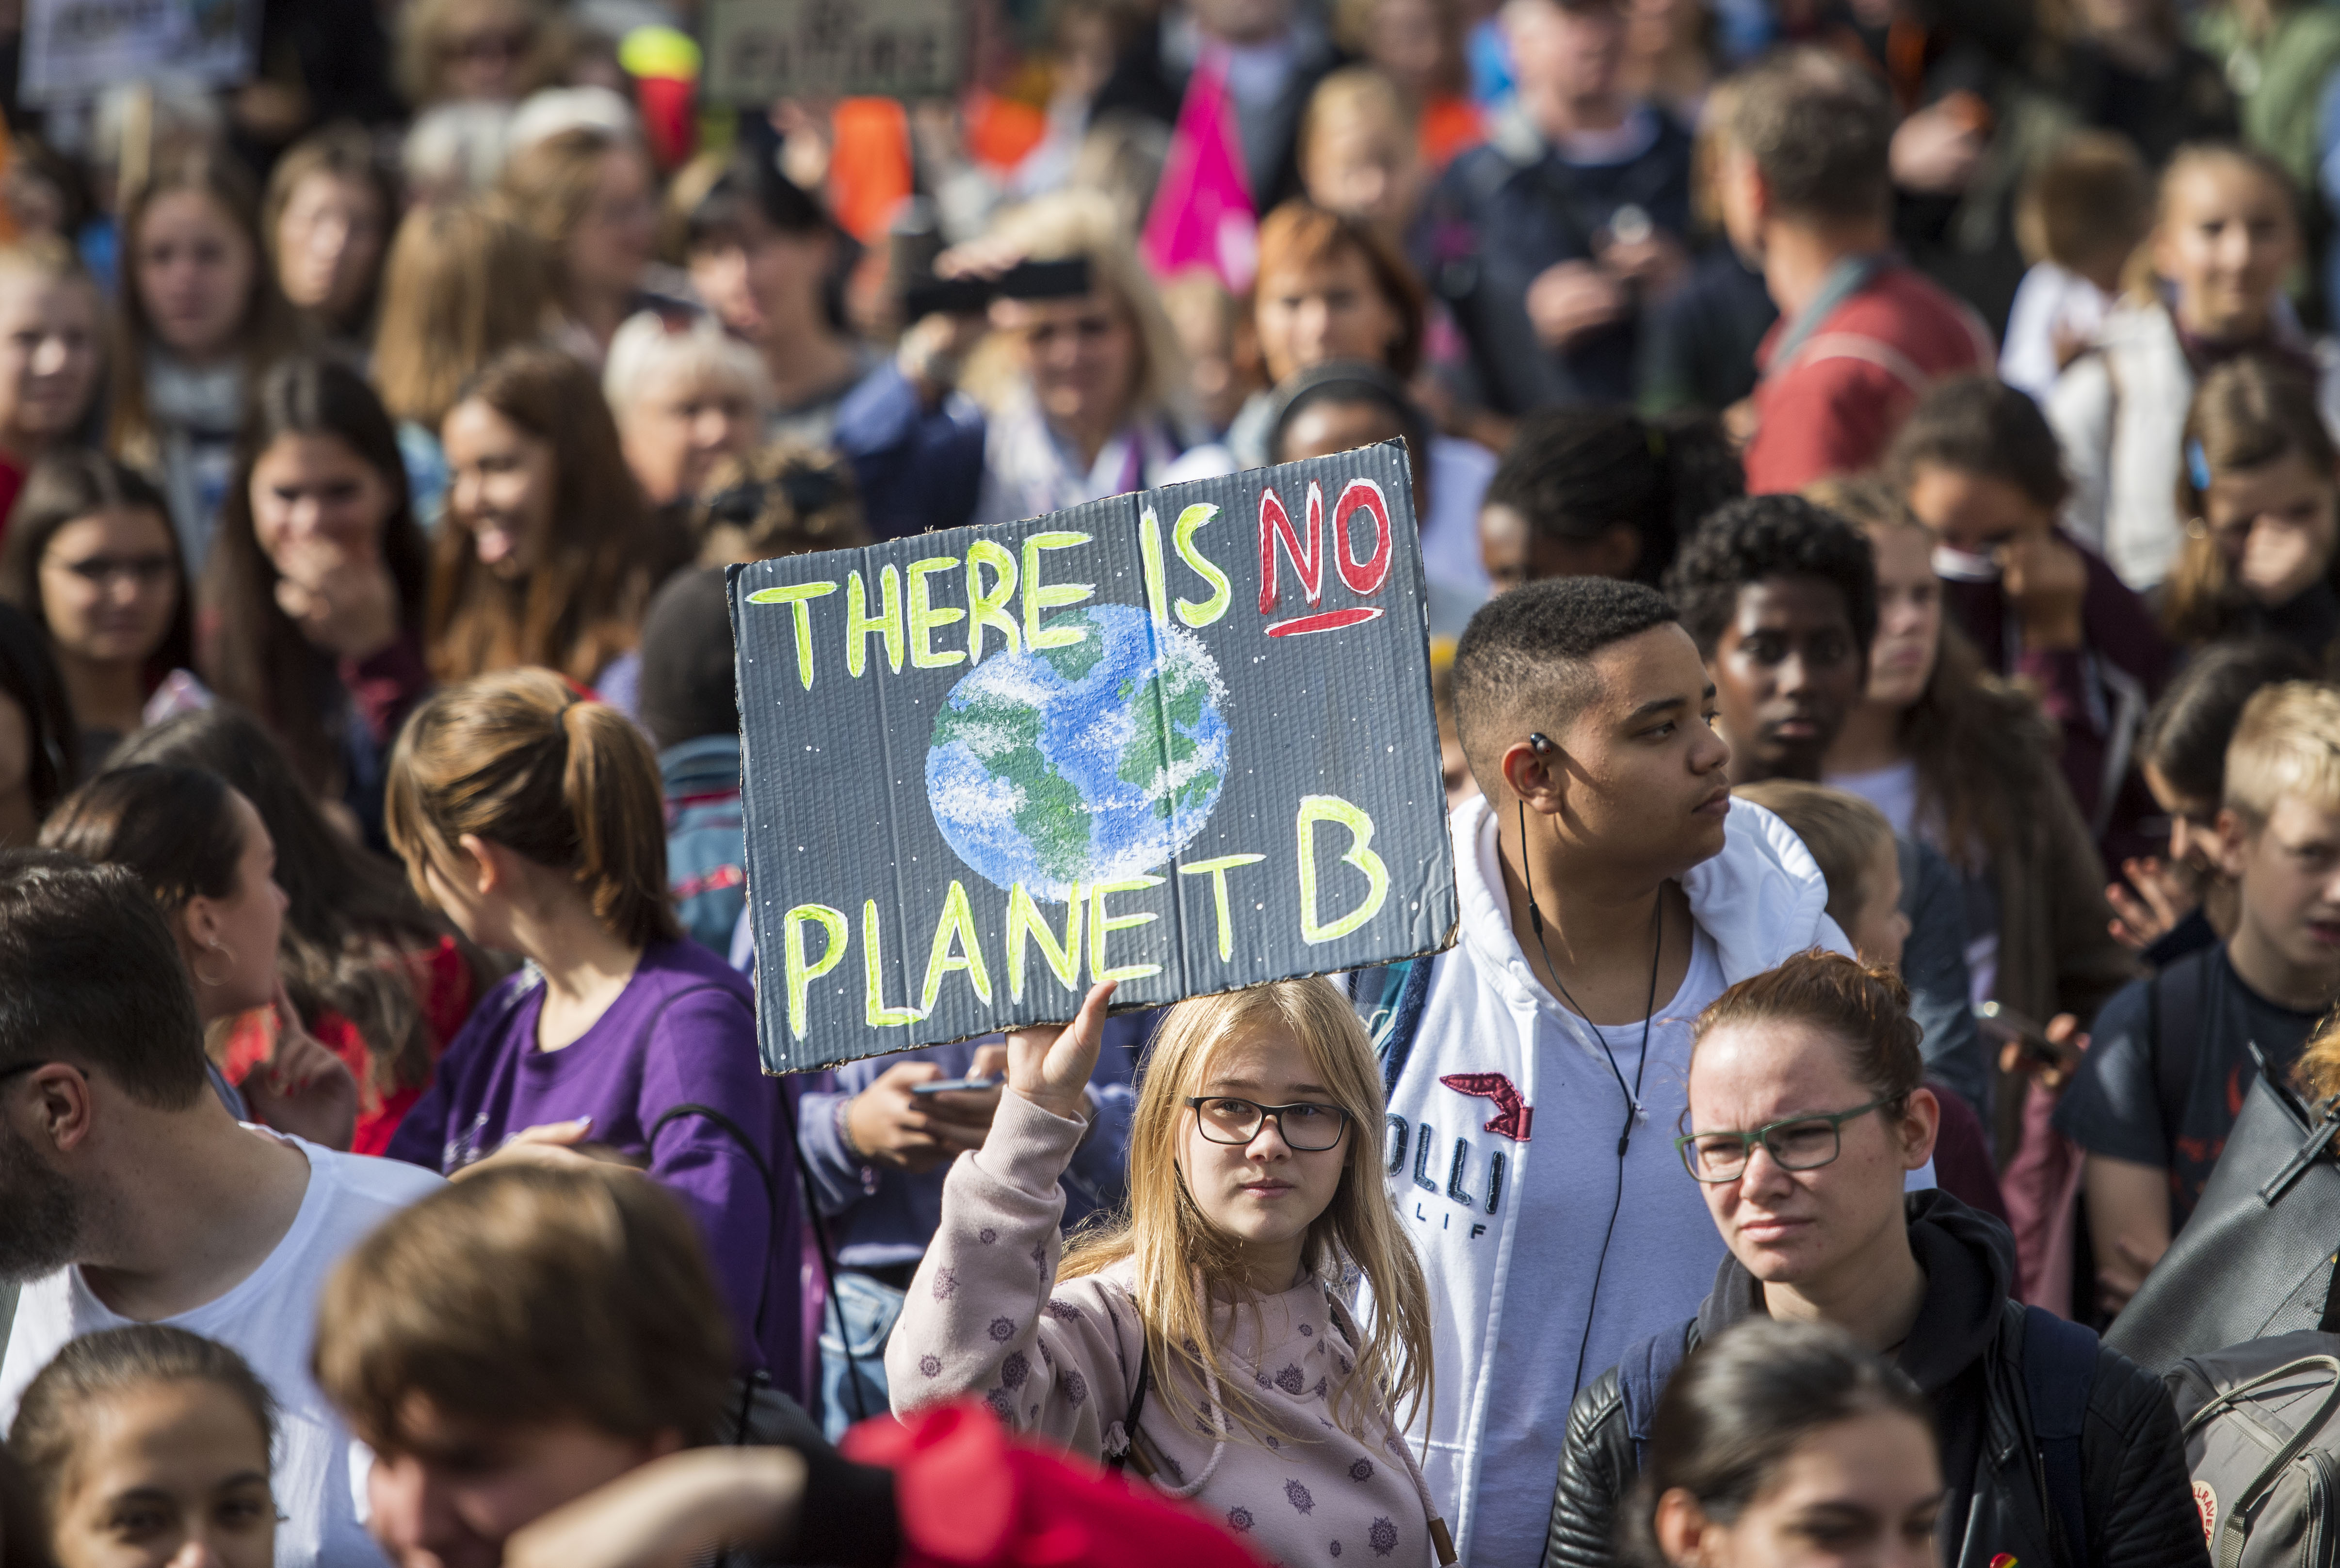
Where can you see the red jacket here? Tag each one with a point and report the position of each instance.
(1833, 409)
(970, 1496)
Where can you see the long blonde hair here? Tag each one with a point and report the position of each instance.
(1177, 1254)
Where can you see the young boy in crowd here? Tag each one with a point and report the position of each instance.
(1862, 859)
(129, 1195)
(1610, 889)
(1780, 595)
(541, 1364)
(2086, 208)
(1857, 853)
(2171, 1061)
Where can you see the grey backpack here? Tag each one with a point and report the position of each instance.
(2262, 1426)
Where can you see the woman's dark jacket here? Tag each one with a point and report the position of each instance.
(1964, 1351)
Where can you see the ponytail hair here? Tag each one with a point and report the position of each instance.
(1864, 1008)
(519, 759)
(1573, 474)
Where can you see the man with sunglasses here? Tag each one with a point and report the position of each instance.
(1807, 1110)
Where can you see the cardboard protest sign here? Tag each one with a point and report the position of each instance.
(1182, 739)
(74, 48)
(761, 50)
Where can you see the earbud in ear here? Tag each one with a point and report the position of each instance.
(1541, 741)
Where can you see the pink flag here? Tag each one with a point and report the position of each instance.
(1203, 214)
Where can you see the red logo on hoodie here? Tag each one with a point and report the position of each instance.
(1512, 1114)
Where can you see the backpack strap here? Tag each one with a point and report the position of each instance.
(2174, 1012)
(1642, 1374)
(1129, 1455)
(2060, 1372)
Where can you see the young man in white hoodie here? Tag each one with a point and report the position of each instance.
(1610, 887)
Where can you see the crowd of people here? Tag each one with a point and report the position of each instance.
(1877, 471)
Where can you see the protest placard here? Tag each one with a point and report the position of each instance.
(761, 50)
(1181, 738)
(75, 48)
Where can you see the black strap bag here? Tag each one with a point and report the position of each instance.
(2256, 1257)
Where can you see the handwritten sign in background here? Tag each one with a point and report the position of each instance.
(74, 49)
(987, 766)
(759, 50)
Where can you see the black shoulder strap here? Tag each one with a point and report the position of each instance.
(1121, 1461)
(1642, 1374)
(2059, 1371)
(2175, 1007)
(722, 1122)
(730, 1129)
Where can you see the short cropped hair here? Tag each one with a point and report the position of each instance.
(1840, 829)
(2287, 742)
(91, 974)
(1761, 537)
(1819, 129)
(526, 1295)
(1536, 643)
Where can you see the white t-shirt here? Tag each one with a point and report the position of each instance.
(1661, 1261)
(1660, 1265)
(1891, 789)
(270, 1319)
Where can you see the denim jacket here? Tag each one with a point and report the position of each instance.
(706, 846)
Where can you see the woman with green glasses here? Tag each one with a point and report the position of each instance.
(1806, 1109)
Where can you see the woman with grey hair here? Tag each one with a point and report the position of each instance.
(686, 395)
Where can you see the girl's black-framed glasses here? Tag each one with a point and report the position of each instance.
(1307, 1127)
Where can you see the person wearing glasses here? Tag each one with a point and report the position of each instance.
(1202, 1339)
(1808, 1107)
(1610, 889)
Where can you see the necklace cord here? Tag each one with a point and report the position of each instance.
(1633, 1095)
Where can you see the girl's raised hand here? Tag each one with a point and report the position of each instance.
(1051, 1068)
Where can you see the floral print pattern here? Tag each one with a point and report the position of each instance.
(1058, 1359)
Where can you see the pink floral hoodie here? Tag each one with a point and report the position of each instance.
(986, 1314)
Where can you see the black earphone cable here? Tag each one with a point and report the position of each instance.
(1632, 1096)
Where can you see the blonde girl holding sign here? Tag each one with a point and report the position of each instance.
(1203, 1338)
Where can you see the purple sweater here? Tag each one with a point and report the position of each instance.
(682, 1032)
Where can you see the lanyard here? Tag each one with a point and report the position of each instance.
(1847, 278)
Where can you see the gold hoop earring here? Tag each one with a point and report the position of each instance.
(228, 958)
